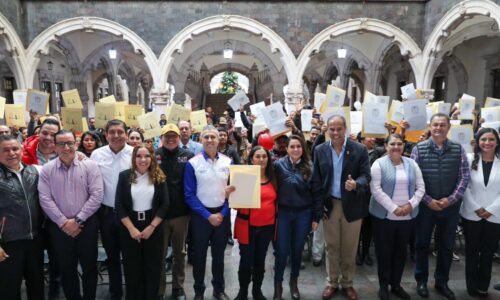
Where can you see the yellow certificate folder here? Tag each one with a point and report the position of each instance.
(198, 120)
(176, 113)
(72, 119)
(108, 99)
(14, 115)
(104, 112)
(246, 180)
(149, 122)
(72, 99)
(131, 114)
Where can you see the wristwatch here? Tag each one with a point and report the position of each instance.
(79, 221)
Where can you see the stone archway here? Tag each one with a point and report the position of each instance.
(406, 44)
(40, 45)
(17, 52)
(176, 44)
(433, 53)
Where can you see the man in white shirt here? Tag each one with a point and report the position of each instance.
(205, 185)
(112, 159)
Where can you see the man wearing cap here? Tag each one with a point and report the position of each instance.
(172, 160)
(186, 142)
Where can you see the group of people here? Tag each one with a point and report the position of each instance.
(60, 193)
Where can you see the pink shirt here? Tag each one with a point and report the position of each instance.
(66, 193)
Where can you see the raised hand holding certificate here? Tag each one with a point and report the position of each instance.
(246, 180)
(463, 135)
(415, 114)
(374, 118)
(72, 119)
(275, 119)
(466, 108)
(149, 122)
(37, 101)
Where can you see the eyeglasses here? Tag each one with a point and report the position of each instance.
(64, 144)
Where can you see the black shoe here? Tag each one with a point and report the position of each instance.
(221, 296)
(230, 241)
(257, 294)
(368, 260)
(445, 291)
(422, 290)
(317, 263)
(497, 286)
(294, 290)
(178, 294)
(241, 295)
(400, 292)
(383, 294)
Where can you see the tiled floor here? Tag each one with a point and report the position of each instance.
(312, 279)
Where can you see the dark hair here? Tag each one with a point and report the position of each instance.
(94, 136)
(305, 161)
(477, 150)
(115, 122)
(131, 130)
(344, 122)
(50, 121)
(63, 131)
(393, 136)
(316, 127)
(7, 137)
(440, 115)
(269, 167)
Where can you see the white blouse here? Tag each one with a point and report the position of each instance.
(142, 193)
(400, 195)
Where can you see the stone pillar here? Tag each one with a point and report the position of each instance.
(179, 98)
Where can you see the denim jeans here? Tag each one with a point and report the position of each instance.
(445, 222)
(293, 226)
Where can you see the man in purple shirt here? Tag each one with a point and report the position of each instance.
(70, 192)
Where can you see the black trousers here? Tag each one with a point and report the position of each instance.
(109, 226)
(25, 262)
(202, 232)
(365, 238)
(142, 262)
(391, 238)
(253, 255)
(481, 242)
(71, 251)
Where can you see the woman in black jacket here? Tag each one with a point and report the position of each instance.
(298, 212)
(141, 204)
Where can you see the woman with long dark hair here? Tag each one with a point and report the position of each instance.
(480, 212)
(254, 228)
(298, 212)
(141, 204)
(135, 137)
(89, 142)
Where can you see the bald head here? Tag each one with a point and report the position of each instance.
(4, 130)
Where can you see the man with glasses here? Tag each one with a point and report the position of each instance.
(172, 160)
(112, 159)
(71, 192)
(205, 189)
(39, 150)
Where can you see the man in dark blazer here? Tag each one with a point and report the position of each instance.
(340, 178)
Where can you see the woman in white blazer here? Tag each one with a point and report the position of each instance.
(480, 212)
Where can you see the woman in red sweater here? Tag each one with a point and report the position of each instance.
(254, 228)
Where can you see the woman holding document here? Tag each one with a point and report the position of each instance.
(298, 212)
(254, 228)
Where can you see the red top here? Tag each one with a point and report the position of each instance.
(266, 214)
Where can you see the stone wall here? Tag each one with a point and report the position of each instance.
(11, 9)
(434, 11)
(157, 22)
